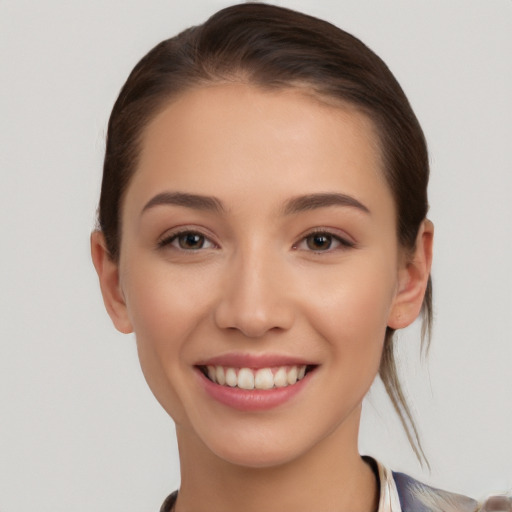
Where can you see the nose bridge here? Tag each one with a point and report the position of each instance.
(253, 299)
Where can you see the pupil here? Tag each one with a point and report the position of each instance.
(191, 241)
(317, 242)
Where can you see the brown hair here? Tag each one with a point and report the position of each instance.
(273, 47)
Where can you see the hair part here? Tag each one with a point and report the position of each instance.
(274, 48)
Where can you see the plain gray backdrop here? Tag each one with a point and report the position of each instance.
(79, 429)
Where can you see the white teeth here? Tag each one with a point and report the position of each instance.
(211, 373)
(245, 379)
(219, 375)
(280, 378)
(231, 379)
(263, 378)
(292, 375)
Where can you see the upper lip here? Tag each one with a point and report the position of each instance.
(238, 360)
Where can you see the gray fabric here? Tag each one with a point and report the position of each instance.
(417, 497)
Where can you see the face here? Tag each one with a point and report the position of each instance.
(259, 269)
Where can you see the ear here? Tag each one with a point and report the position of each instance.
(413, 277)
(108, 273)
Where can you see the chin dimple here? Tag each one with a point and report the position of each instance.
(261, 378)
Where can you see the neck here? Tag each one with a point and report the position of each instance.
(330, 476)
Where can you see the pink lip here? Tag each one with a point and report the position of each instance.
(237, 360)
(254, 399)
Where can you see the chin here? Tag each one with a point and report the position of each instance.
(258, 458)
(259, 447)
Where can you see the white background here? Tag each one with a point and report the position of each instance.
(79, 430)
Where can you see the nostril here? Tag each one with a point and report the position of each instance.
(254, 304)
(253, 322)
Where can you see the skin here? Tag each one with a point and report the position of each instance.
(257, 284)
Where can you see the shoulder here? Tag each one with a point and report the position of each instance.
(417, 497)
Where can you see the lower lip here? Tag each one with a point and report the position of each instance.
(253, 399)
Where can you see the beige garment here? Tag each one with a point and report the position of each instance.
(389, 501)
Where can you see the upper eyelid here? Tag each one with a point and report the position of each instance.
(171, 235)
(340, 245)
(341, 236)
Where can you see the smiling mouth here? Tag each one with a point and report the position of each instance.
(260, 378)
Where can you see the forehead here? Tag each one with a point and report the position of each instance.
(232, 139)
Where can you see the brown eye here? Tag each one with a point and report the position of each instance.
(187, 241)
(319, 241)
(323, 241)
(190, 241)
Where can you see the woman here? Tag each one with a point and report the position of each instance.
(263, 231)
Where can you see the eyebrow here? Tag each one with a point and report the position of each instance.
(295, 205)
(314, 201)
(195, 201)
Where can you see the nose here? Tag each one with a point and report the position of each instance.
(255, 296)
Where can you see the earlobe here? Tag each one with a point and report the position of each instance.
(108, 274)
(412, 280)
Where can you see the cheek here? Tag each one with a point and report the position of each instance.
(165, 308)
(165, 303)
(350, 308)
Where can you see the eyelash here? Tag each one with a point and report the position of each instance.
(344, 243)
(168, 240)
(331, 238)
